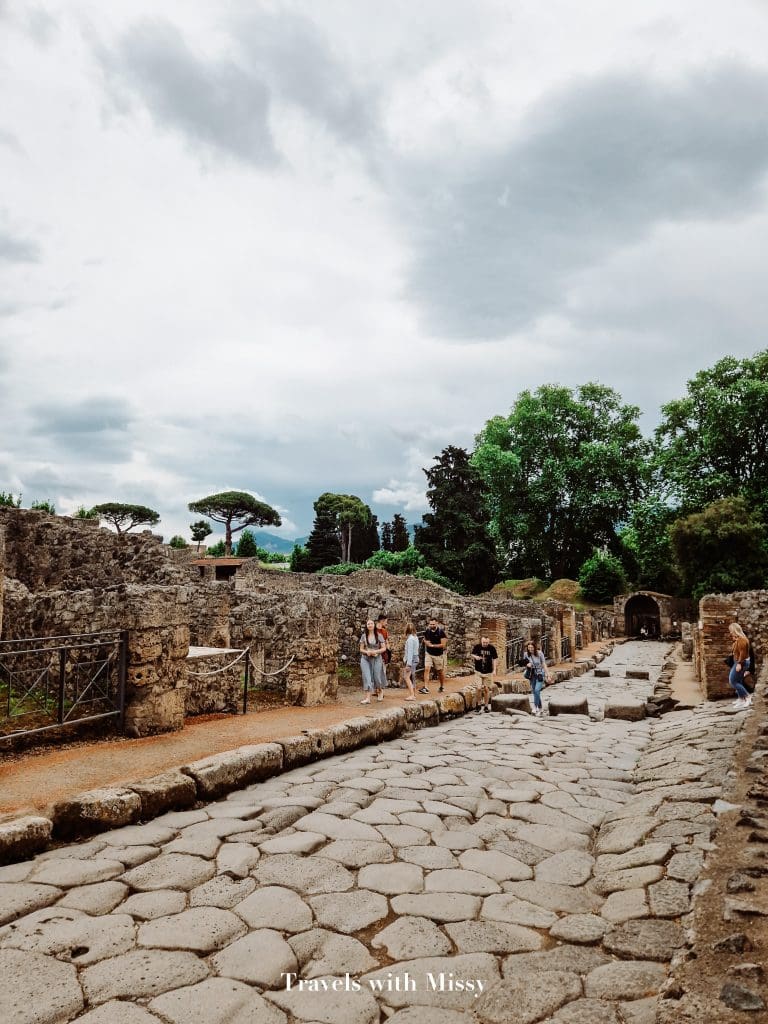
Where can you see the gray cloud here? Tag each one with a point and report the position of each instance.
(497, 240)
(301, 67)
(98, 429)
(15, 249)
(216, 103)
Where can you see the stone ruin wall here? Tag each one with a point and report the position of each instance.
(712, 642)
(66, 576)
(157, 619)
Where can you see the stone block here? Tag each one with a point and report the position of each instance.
(602, 673)
(511, 702)
(96, 811)
(568, 704)
(414, 715)
(626, 709)
(430, 712)
(450, 705)
(233, 769)
(471, 696)
(515, 686)
(23, 837)
(353, 733)
(170, 791)
(311, 745)
(637, 673)
(391, 723)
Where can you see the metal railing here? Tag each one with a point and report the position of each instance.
(565, 649)
(50, 682)
(515, 653)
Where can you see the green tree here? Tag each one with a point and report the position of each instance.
(400, 537)
(235, 510)
(645, 540)
(299, 559)
(177, 542)
(721, 549)
(247, 546)
(217, 550)
(44, 505)
(8, 500)
(453, 537)
(125, 517)
(601, 577)
(713, 443)
(365, 540)
(199, 531)
(561, 471)
(338, 517)
(386, 537)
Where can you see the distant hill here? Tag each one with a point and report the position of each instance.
(271, 542)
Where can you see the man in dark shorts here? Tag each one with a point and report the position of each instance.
(486, 659)
(435, 643)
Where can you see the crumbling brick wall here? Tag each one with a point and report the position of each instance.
(712, 642)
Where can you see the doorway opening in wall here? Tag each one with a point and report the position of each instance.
(642, 617)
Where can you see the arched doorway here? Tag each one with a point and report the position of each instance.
(642, 610)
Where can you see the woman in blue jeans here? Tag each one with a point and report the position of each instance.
(535, 672)
(740, 663)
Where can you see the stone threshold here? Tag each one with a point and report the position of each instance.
(210, 778)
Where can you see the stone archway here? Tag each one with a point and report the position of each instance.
(642, 611)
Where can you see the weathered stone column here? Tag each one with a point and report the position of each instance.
(157, 620)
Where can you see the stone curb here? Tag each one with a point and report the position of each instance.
(212, 777)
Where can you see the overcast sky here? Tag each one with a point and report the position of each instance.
(298, 246)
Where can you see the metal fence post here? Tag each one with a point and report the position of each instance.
(122, 677)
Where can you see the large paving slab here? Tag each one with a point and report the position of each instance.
(493, 868)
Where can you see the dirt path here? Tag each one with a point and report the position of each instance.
(37, 779)
(685, 686)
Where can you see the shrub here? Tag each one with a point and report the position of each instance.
(341, 569)
(85, 513)
(399, 563)
(44, 505)
(8, 500)
(247, 546)
(300, 559)
(427, 573)
(216, 550)
(601, 577)
(177, 542)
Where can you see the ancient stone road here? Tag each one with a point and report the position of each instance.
(500, 869)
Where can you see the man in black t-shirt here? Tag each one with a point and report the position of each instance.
(435, 643)
(486, 659)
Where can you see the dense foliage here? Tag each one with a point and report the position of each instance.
(713, 442)
(721, 549)
(247, 546)
(453, 537)
(177, 542)
(561, 471)
(601, 577)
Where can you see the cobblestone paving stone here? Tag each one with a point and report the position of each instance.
(497, 868)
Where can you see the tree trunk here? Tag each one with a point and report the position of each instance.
(228, 539)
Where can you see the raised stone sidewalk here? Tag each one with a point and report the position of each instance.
(496, 869)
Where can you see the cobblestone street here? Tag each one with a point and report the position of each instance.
(500, 869)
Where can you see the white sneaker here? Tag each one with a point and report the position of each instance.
(748, 702)
(740, 705)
